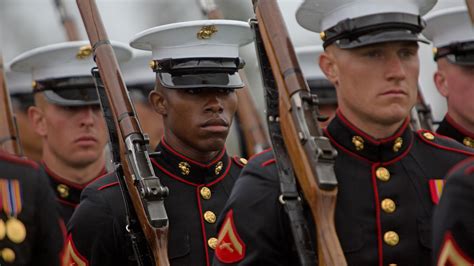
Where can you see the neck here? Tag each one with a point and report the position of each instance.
(190, 152)
(374, 129)
(75, 174)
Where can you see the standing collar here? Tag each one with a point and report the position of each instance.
(448, 127)
(187, 170)
(347, 137)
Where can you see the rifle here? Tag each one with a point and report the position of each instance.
(253, 130)
(421, 116)
(67, 21)
(136, 176)
(9, 138)
(311, 154)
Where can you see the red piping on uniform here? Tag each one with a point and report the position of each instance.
(236, 160)
(68, 182)
(76, 252)
(268, 162)
(203, 229)
(377, 215)
(108, 185)
(401, 156)
(173, 151)
(461, 165)
(459, 127)
(333, 141)
(469, 170)
(260, 153)
(186, 181)
(15, 159)
(369, 138)
(420, 132)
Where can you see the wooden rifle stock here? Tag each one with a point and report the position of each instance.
(144, 189)
(256, 139)
(470, 9)
(303, 139)
(9, 138)
(68, 23)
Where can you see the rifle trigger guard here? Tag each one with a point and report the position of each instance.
(282, 199)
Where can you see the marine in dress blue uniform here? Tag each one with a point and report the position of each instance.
(196, 66)
(450, 29)
(67, 115)
(388, 179)
(31, 230)
(453, 231)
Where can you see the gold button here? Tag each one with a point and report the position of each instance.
(382, 174)
(219, 167)
(205, 193)
(468, 142)
(322, 35)
(243, 161)
(388, 205)
(212, 242)
(391, 238)
(392, 264)
(8, 255)
(397, 145)
(210, 217)
(428, 136)
(358, 142)
(63, 190)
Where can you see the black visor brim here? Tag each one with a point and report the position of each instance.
(73, 96)
(201, 80)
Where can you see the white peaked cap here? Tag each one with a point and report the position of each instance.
(308, 57)
(320, 15)
(449, 24)
(60, 60)
(137, 70)
(17, 82)
(183, 40)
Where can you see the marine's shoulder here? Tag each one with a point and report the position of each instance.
(442, 143)
(262, 159)
(8, 160)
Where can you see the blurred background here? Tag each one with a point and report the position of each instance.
(27, 24)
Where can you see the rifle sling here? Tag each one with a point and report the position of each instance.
(139, 243)
(289, 192)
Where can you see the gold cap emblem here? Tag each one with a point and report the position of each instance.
(16, 230)
(206, 32)
(205, 193)
(388, 205)
(219, 167)
(8, 255)
(2, 229)
(428, 136)
(153, 64)
(358, 142)
(391, 238)
(210, 217)
(212, 242)
(397, 145)
(243, 161)
(84, 52)
(382, 174)
(468, 142)
(185, 168)
(63, 190)
(322, 35)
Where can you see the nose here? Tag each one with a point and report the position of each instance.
(214, 104)
(87, 115)
(395, 69)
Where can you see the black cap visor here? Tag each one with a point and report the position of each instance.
(202, 80)
(374, 29)
(76, 91)
(457, 53)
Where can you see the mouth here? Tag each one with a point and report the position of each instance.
(217, 125)
(394, 92)
(86, 140)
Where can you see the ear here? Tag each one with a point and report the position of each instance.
(328, 66)
(158, 102)
(441, 82)
(37, 119)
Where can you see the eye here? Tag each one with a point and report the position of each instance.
(373, 53)
(226, 90)
(193, 90)
(407, 53)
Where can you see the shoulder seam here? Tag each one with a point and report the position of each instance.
(19, 160)
(440, 146)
